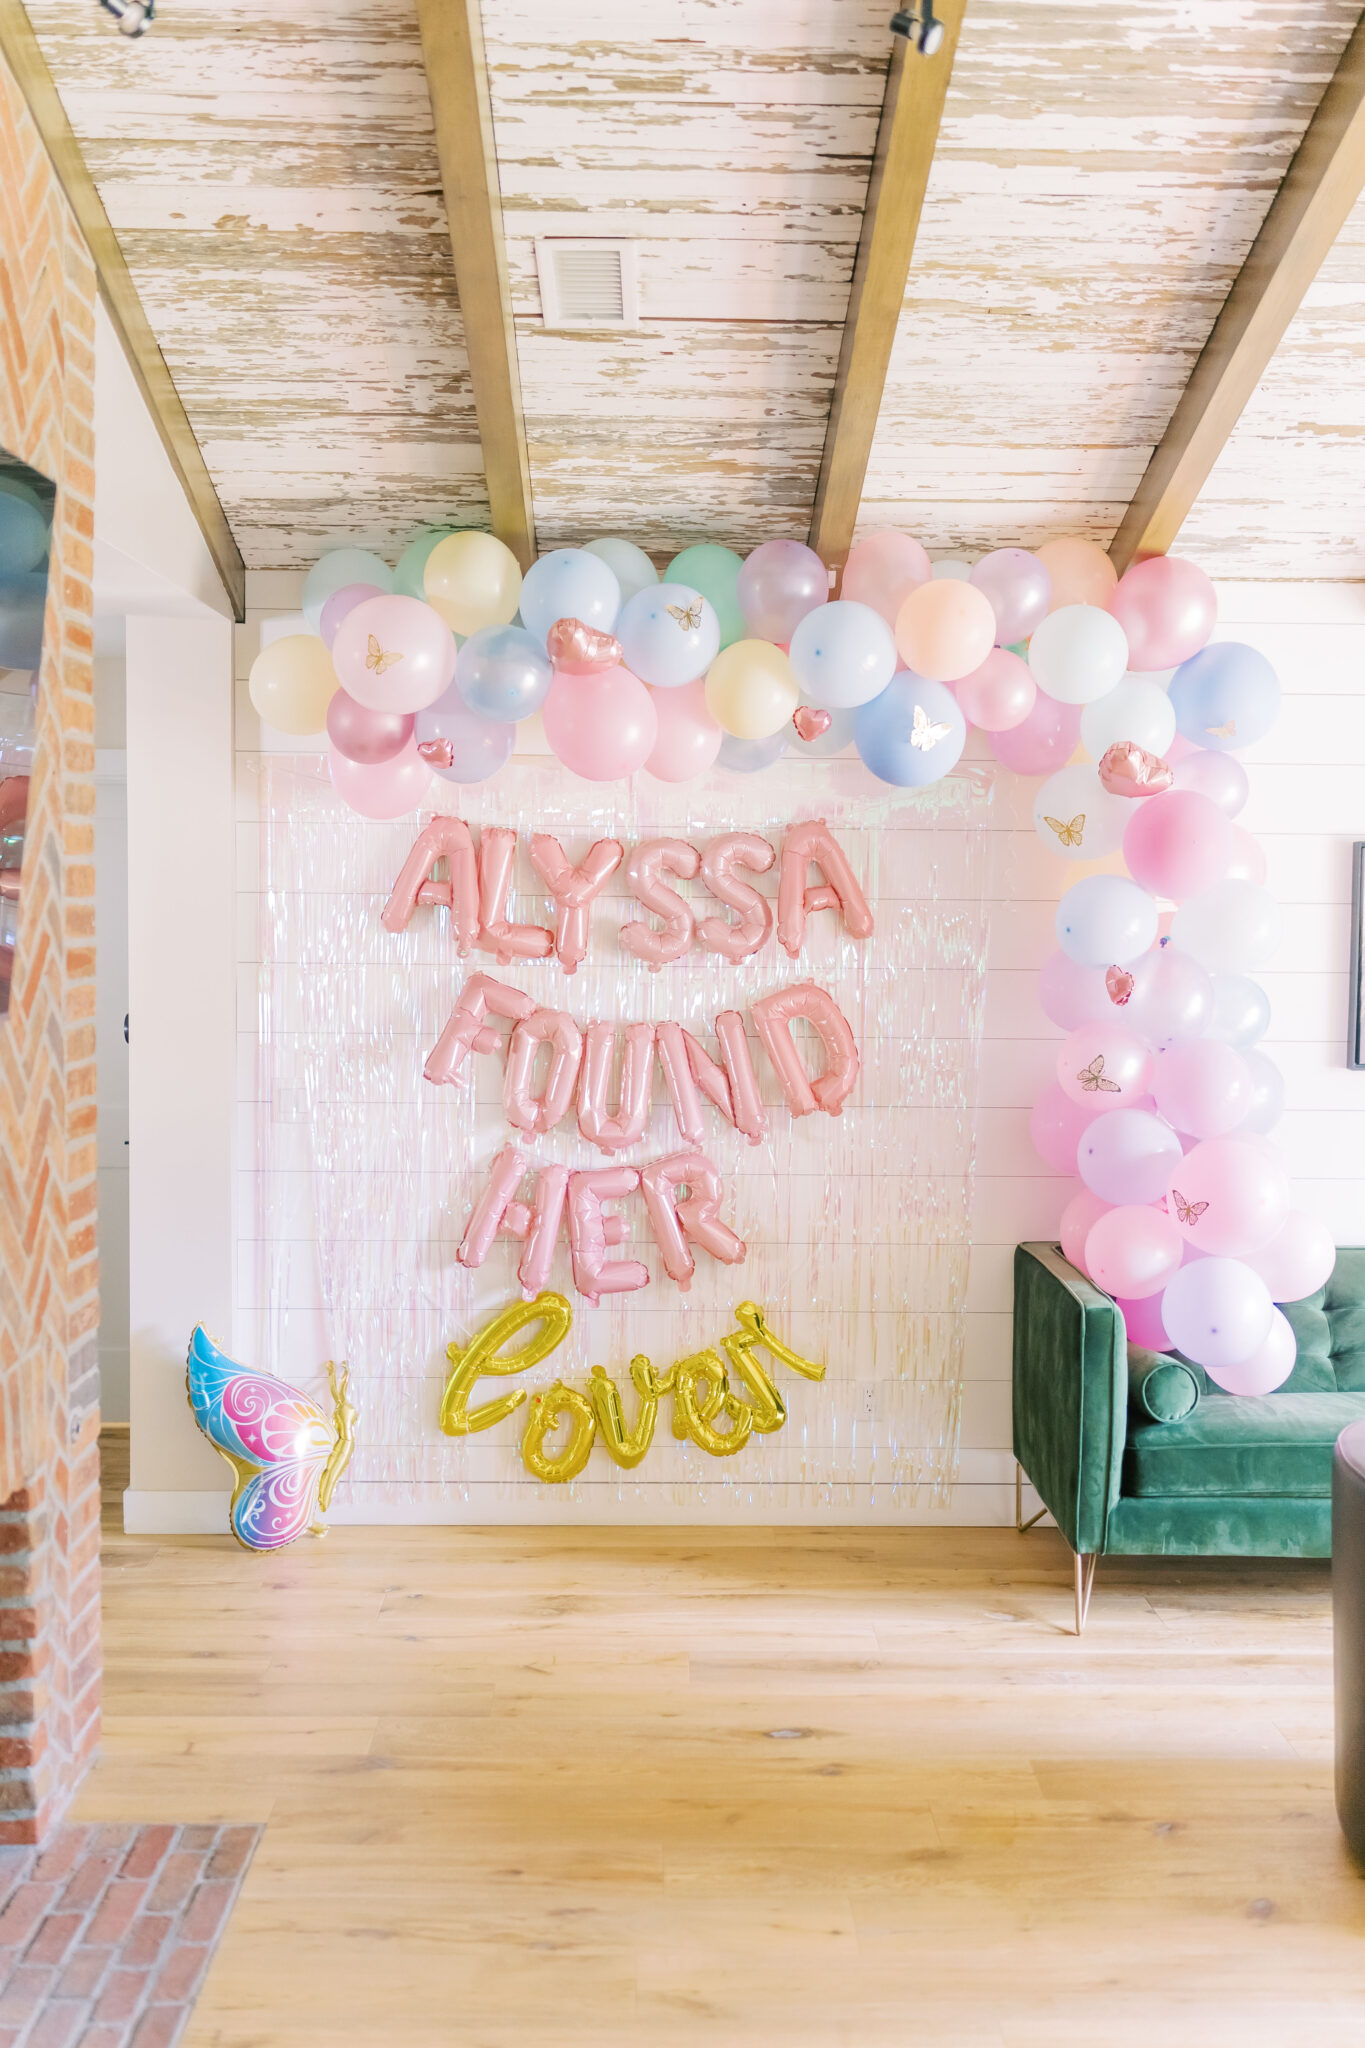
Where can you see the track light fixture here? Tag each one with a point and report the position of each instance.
(925, 30)
(132, 16)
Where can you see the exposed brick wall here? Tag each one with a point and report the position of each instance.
(49, 1309)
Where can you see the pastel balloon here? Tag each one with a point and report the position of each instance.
(1104, 1066)
(1171, 997)
(1057, 1124)
(1043, 740)
(1143, 1324)
(602, 726)
(1247, 862)
(521, 1105)
(1220, 777)
(882, 569)
(1267, 1368)
(629, 564)
(1241, 1010)
(1230, 928)
(1298, 1260)
(292, 682)
(1129, 771)
(333, 571)
(1128, 1155)
(744, 851)
(751, 690)
(1267, 1093)
(842, 654)
(1225, 697)
(913, 733)
(339, 604)
(750, 757)
(1078, 654)
(384, 789)
(1167, 608)
(473, 580)
(1134, 710)
(773, 1016)
(649, 863)
(669, 635)
(1133, 1251)
(497, 935)
(409, 576)
(714, 571)
(1000, 694)
(591, 1232)
(394, 654)
(780, 582)
(580, 649)
(459, 744)
(1104, 920)
(574, 889)
(614, 1131)
(364, 735)
(1079, 1218)
(1228, 1196)
(1217, 1311)
(945, 629)
(1073, 994)
(1018, 588)
(1074, 815)
(688, 737)
(1081, 573)
(569, 583)
(834, 732)
(503, 673)
(695, 1219)
(1202, 1087)
(1178, 844)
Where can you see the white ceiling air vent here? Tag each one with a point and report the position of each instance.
(587, 283)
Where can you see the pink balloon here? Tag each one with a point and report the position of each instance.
(945, 629)
(773, 1015)
(717, 935)
(590, 1233)
(688, 736)
(1267, 1368)
(1018, 588)
(1178, 844)
(490, 1210)
(650, 861)
(1133, 1252)
(542, 1227)
(1128, 1155)
(1228, 1196)
(812, 841)
(882, 569)
(1168, 608)
(1298, 1260)
(506, 941)
(1104, 1067)
(612, 1133)
(521, 1105)
(364, 735)
(339, 604)
(780, 582)
(603, 725)
(1171, 998)
(1000, 694)
(467, 1028)
(1220, 777)
(394, 653)
(1045, 740)
(1072, 994)
(1079, 1218)
(1203, 1087)
(695, 1219)
(381, 789)
(1248, 863)
(690, 1072)
(574, 889)
(1056, 1124)
(1142, 1320)
(443, 839)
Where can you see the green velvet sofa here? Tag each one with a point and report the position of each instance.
(1138, 1454)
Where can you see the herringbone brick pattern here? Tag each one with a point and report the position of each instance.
(49, 1523)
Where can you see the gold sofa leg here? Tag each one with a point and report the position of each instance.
(1085, 1579)
(1020, 1524)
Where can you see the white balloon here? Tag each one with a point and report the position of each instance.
(1267, 1105)
(1074, 814)
(1232, 928)
(1078, 654)
(1137, 710)
(1241, 1008)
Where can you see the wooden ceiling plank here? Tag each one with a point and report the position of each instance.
(912, 110)
(1323, 182)
(20, 49)
(457, 77)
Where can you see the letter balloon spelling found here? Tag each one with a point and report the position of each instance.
(443, 839)
(574, 889)
(466, 1030)
(736, 850)
(645, 870)
(773, 1016)
(614, 1133)
(522, 1107)
(286, 1455)
(839, 891)
(697, 1218)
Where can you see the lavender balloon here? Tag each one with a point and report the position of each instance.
(1019, 589)
(1267, 1102)
(1172, 997)
(458, 744)
(748, 757)
(1105, 920)
(1217, 1312)
(780, 582)
(1127, 1155)
(360, 734)
(339, 604)
(1218, 776)
(1241, 1010)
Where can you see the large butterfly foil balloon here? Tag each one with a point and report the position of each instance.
(286, 1455)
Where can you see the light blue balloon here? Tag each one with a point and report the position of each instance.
(1241, 1011)
(1226, 697)
(478, 746)
(842, 654)
(669, 635)
(630, 565)
(569, 583)
(913, 733)
(334, 570)
(747, 757)
(407, 576)
(503, 673)
(1105, 921)
(23, 535)
(837, 735)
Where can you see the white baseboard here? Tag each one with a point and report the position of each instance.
(175, 1514)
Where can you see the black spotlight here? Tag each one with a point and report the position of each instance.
(132, 16)
(925, 31)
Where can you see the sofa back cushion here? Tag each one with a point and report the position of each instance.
(1329, 1328)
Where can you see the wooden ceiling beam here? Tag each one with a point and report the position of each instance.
(457, 77)
(1322, 184)
(19, 47)
(912, 109)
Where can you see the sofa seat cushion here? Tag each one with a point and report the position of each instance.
(1280, 1444)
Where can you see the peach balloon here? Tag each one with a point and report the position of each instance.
(944, 630)
(1081, 572)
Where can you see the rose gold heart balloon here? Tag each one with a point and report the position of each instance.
(810, 722)
(438, 753)
(580, 649)
(1126, 769)
(1119, 983)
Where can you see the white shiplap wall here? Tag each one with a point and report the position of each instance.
(1307, 805)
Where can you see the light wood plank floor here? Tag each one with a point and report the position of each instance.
(778, 1788)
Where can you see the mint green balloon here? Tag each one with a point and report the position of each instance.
(714, 571)
(407, 577)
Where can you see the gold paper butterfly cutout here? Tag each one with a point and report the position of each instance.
(377, 659)
(1222, 732)
(688, 617)
(1069, 834)
(1092, 1079)
(1187, 1212)
(925, 734)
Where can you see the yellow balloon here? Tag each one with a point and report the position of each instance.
(546, 1412)
(626, 1446)
(472, 1361)
(472, 580)
(750, 689)
(693, 1409)
(292, 682)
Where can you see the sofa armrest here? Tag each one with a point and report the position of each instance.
(1070, 1392)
